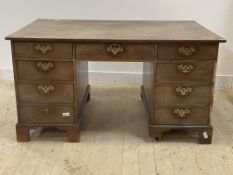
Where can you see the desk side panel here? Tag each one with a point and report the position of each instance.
(15, 77)
(148, 74)
(82, 84)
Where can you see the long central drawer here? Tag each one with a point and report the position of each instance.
(115, 51)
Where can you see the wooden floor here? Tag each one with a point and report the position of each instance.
(114, 140)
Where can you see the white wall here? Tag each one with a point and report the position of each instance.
(216, 15)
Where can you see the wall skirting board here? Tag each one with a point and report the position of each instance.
(115, 78)
(6, 74)
(101, 77)
(224, 81)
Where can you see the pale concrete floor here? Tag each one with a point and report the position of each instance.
(114, 140)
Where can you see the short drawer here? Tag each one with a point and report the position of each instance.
(45, 93)
(185, 51)
(45, 114)
(185, 71)
(181, 115)
(109, 52)
(43, 50)
(183, 95)
(45, 70)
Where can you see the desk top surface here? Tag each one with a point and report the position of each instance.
(114, 30)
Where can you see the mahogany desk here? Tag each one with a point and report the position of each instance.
(51, 72)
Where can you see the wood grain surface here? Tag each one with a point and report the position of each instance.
(110, 30)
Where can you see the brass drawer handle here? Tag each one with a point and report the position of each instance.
(185, 68)
(46, 89)
(45, 66)
(183, 91)
(182, 112)
(115, 49)
(187, 51)
(43, 48)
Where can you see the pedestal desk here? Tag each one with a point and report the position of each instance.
(50, 60)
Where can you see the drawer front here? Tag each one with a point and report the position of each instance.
(45, 70)
(187, 51)
(43, 50)
(109, 52)
(46, 114)
(181, 116)
(183, 95)
(45, 93)
(185, 71)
